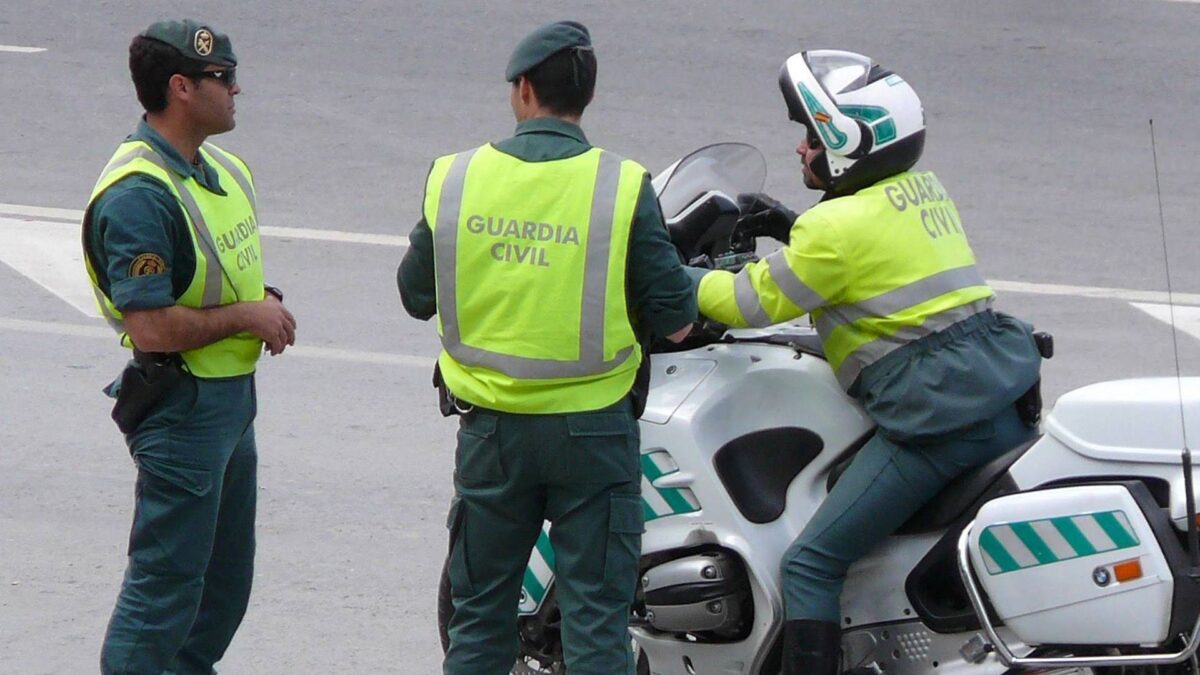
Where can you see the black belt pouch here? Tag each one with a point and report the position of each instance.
(143, 384)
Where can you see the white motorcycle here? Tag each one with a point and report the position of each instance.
(1070, 552)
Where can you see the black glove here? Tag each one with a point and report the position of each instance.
(764, 217)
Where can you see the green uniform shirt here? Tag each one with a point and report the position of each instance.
(660, 293)
(140, 215)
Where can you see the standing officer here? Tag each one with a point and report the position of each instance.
(883, 266)
(545, 259)
(171, 245)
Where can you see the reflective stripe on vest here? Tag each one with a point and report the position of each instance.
(876, 269)
(831, 317)
(240, 178)
(872, 351)
(747, 301)
(911, 295)
(211, 296)
(883, 305)
(595, 281)
(238, 264)
(795, 290)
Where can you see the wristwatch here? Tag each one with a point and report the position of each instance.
(274, 290)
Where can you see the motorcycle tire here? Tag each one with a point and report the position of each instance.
(532, 659)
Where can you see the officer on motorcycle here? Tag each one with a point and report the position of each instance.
(883, 267)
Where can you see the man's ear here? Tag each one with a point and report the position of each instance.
(527, 94)
(179, 86)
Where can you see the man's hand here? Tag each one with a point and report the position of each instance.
(273, 323)
(764, 217)
(680, 334)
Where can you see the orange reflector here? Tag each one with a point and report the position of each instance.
(1127, 571)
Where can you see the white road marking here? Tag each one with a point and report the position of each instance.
(355, 356)
(42, 243)
(96, 330)
(49, 252)
(21, 50)
(99, 330)
(51, 255)
(334, 235)
(1126, 294)
(1187, 319)
(42, 213)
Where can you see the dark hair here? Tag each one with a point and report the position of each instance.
(565, 82)
(151, 65)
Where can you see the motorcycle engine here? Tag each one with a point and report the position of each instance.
(705, 595)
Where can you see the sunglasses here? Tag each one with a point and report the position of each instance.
(227, 76)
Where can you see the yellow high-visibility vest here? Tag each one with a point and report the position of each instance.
(530, 273)
(876, 270)
(224, 234)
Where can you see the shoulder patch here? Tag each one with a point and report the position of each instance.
(147, 264)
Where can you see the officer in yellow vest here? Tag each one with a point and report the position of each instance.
(883, 267)
(546, 261)
(171, 245)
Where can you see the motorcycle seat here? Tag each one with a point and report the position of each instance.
(962, 493)
(957, 497)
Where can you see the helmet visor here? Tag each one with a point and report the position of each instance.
(838, 71)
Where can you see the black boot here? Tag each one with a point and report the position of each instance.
(811, 647)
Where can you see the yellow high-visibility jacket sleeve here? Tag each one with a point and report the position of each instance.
(805, 275)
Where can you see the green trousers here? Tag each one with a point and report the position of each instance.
(883, 487)
(944, 404)
(512, 472)
(191, 549)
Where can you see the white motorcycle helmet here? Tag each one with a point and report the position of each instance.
(868, 118)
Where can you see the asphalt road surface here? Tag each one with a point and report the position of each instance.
(1038, 125)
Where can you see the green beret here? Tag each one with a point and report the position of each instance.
(545, 42)
(195, 40)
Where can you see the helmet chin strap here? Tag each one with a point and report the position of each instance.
(836, 165)
(819, 168)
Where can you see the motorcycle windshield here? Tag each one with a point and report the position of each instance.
(730, 168)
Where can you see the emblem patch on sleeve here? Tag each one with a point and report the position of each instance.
(147, 264)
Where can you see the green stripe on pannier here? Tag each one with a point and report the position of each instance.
(1034, 543)
(1115, 530)
(1074, 537)
(991, 545)
(1086, 534)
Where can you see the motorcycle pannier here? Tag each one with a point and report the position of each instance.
(1074, 565)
